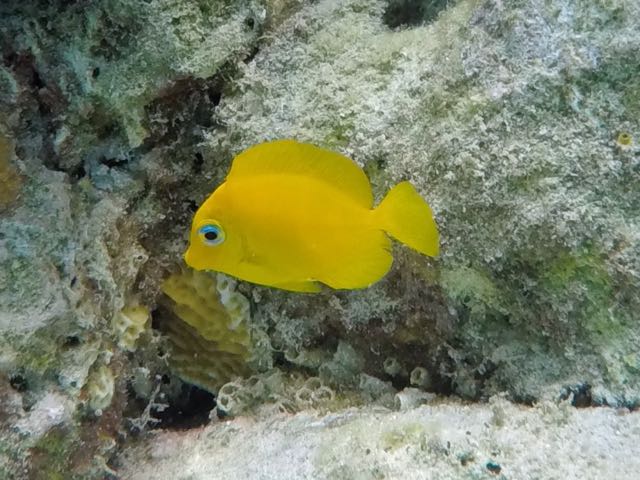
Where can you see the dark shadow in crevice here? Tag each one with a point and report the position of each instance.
(580, 396)
(413, 13)
(190, 409)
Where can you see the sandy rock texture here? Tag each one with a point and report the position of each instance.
(448, 440)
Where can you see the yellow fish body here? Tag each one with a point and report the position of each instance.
(290, 215)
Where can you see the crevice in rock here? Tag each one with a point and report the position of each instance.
(188, 410)
(18, 382)
(580, 396)
(412, 13)
(187, 102)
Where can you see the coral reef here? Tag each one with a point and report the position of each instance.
(514, 142)
(517, 121)
(81, 88)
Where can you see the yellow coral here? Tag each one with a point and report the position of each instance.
(210, 341)
(128, 324)
(199, 361)
(10, 181)
(196, 301)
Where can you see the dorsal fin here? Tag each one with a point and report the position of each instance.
(294, 158)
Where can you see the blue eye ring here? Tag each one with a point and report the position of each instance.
(211, 234)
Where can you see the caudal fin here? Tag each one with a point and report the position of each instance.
(405, 215)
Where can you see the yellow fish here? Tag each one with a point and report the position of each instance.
(290, 215)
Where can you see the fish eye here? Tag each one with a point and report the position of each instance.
(211, 234)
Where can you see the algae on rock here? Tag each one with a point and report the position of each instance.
(517, 121)
(85, 91)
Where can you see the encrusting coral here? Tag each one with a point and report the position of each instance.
(209, 332)
(201, 300)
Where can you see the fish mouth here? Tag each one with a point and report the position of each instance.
(189, 260)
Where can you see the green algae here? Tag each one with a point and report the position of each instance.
(584, 281)
(473, 288)
(339, 136)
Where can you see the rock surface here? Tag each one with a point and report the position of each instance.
(447, 440)
(519, 122)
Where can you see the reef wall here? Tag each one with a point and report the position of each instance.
(517, 121)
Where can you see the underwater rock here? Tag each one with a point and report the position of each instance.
(52, 410)
(511, 134)
(453, 439)
(410, 398)
(82, 87)
(517, 121)
(10, 181)
(102, 83)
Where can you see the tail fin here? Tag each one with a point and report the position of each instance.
(405, 215)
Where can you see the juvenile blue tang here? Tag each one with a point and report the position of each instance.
(292, 215)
